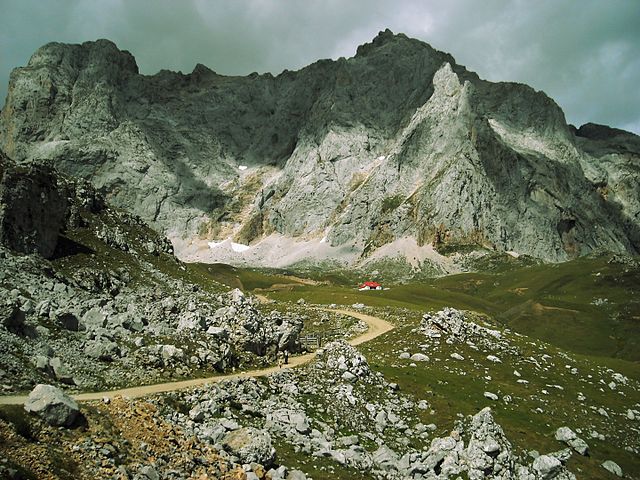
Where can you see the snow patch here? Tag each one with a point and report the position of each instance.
(236, 247)
(239, 247)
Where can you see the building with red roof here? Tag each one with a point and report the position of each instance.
(370, 286)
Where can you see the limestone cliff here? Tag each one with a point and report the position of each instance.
(398, 142)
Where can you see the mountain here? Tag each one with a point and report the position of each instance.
(380, 155)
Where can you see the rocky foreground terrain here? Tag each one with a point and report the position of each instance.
(381, 155)
(339, 417)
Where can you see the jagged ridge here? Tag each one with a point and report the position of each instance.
(397, 142)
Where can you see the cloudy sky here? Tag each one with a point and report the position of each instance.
(583, 53)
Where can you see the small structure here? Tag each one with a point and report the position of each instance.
(370, 286)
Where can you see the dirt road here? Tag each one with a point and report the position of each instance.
(377, 327)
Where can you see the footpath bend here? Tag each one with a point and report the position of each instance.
(377, 327)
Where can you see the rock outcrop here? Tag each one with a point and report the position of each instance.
(33, 208)
(347, 156)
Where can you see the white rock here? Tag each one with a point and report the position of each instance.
(419, 357)
(349, 377)
(546, 466)
(491, 396)
(612, 467)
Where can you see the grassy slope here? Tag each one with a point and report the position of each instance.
(555, 303)
(80, 248)
(452, 387)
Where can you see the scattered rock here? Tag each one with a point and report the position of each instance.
(612, 467)
(568, 436)
(547, 466)
(419, 357)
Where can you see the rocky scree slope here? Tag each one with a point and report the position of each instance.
(111, 306)
(398, 142)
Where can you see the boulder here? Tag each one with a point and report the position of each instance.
(41, 362)
(53, 405)
(14, 320)
(419, 357)
(61, 371)
(385, 458)
(547, 466)
(250, 445)
(67, 320)
(93, 319)
(104, 350)
(190, 321)
(171, 353)
(612, 467)
(568, 436)
(296, 475)
(349, 377)
(488, 449)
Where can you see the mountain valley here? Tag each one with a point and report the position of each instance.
(181, 256)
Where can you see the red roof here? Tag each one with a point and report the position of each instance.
(370, 284)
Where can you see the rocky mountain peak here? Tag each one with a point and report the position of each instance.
(396, 49)
(341, 158)
(378, 41)
(96, 55)
(595, 131)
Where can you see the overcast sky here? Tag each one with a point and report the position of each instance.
(583, 53)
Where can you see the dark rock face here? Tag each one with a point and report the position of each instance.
(398, 142)
(33, 208)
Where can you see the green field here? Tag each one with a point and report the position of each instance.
(589, 306)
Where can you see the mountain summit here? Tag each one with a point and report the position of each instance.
(380, 154)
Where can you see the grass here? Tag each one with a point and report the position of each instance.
(83, 249)
(391, 203)
(589, 306)
(452, 387)
(320, 468)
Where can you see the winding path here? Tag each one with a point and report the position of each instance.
(377, 327)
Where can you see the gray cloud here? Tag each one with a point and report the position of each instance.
(582, 53)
